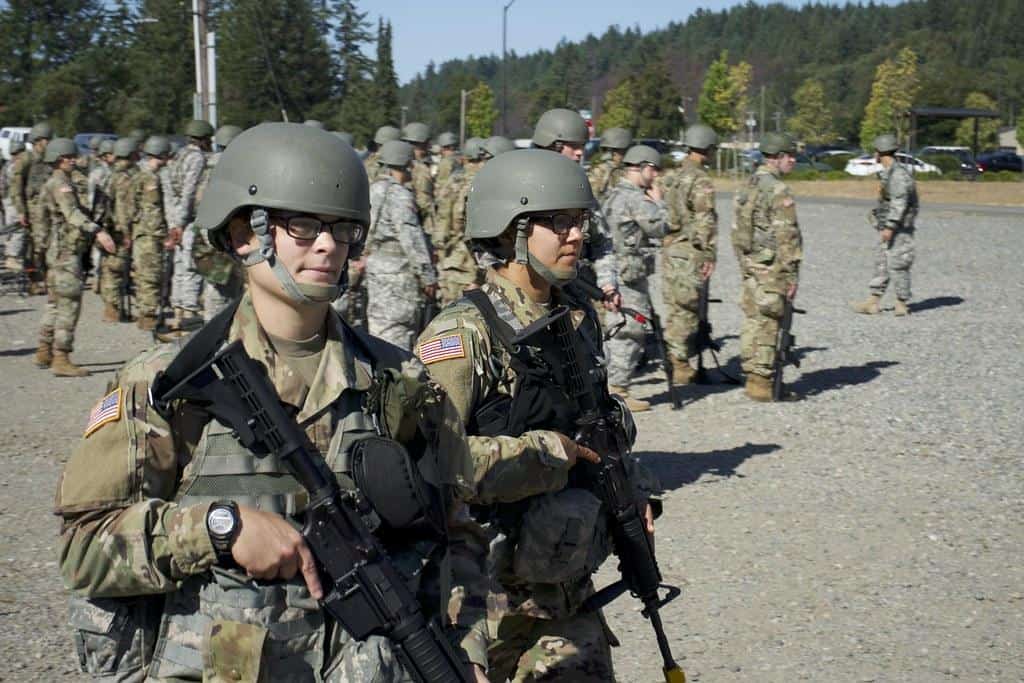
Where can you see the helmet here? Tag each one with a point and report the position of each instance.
(397, 153)
(291, 167)
(138, 134)
(616, 138)
(700, 136)
(197, 128)
(473, 148)
(416, 132)
(347, 138)
(225, 134)
(447, 139)
(94, 142)
(175, 146)
(498, 144)
(17, 147)
(560, 125)
(106, 146)
(385, 133)
(59, 147)
(125, 147)
(642, 154)
(777, 143)
(315, 124)
(886, 143)
(156, 146)
(41, 131)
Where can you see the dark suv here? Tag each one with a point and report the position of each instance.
(968, 168)
(1000, 161)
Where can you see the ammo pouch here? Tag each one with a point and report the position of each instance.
(563, 537)
(115, 637)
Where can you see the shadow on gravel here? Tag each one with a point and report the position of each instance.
(13, 311)
(820, 381)
(935, 302)
(17, 352)
(675, 470)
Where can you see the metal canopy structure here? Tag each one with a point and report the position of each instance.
(948, 113)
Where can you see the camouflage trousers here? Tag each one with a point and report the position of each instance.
(147, 267)
(14, 247)
(63, 302)
(457, 271)
(892, 262)
(216, 297)
(626, 348)
(761, 298)
(40, 235)
(680, 293)
(393, 306)
(576, 648)
(187, 284)
(112, 275)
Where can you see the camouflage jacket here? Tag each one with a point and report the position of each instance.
(445, 167)
(36, 175)
(777, 244)
(186, 172)
(148, 205)
(98, 176)
(134, 496)
(119, 213)
(450, 218)
(897, 198)
(604, 176)
(18, 191)
(637, 224)
(422, 185)
(692, 217)
(396, 240)
(70, 224)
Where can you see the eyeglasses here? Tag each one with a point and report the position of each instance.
(305, 227)
(561, 223)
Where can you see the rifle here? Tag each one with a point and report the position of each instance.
(705, 340)
(363, 590)
(601, 428)
(126, 286)
(164, 302)
(784, 347)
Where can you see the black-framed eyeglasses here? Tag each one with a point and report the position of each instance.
(303, 226)
(562, 222)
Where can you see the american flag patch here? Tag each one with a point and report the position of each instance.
(107, 410)
(442, 348)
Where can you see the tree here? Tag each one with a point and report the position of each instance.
(892, 94)
(1020, 131)
(385, 81)
(988, 129)
(813, 119)
(481, 113)
(351, 33)
(618, 107)
(657, 103)
(723, 96)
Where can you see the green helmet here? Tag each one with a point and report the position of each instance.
(17, 147)
(59, 147)
(106, 146)
(225, 134)
(777, 143)
(473, 148)
(347, 138)
(616, 138)
(886, 144)
(416, 132)
(156, 146)
(385, 133)
(560, 125)
(498, 144)
(700, 136)
(642, 154)
(447, 139)
(315, 124)
(138, 134)
(94, 142)
(197, 128)
(124, 148)
(396, 153)
(41, 131)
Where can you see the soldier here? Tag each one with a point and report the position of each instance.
(418, 135)
(182, 541)
(28, 184)
(186, 171)
(14, 208)
(769, 247)
(637, 216)
(449, 162)
(457, 269)
(527, 216)
(605, 175)
(894, 220)
(71, 227)
(149, 230)
(690, 252)
(118, 216)
(383, 134)
(399, 271)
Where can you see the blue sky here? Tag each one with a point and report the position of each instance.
(449, 29)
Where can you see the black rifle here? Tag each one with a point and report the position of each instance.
(126, 286)
(600, 428)
(164, 302)
(705, 340)
(784, 342)
(363, 590)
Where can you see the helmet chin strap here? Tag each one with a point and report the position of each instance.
(523, 255)
(299, 293)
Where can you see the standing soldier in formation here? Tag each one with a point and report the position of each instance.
(399, 271)
(769, 247)
(98, 198)
(894, 219)
(449, 162)
(72, 227)
(605, 175)
(149, 229)
(690, 252)
(456, 267)
(418, 135)
(638, 219)
(14, 209)
(28, 187)
(118, 216)
(186, 172)
(371, 162)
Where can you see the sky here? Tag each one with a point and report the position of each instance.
(442, 30)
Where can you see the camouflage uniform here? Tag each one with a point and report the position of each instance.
(636, 221)
(769, 264)
(897, 210)
(605, 176)
(422, 185)
(445, 167)
(72, 229)
(186, 173)
(134, 497)
(222, 275)
(372, 165)
(118, 222)
(149, 230)
(398, 264)
(13, 208)
(690, 243)
(36, 174)
(456, 265)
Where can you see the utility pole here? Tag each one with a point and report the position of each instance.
(504, 67)
(462, 118)
(778, 121)
(201, 103)
(211, 75)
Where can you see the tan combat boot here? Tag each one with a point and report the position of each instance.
(869, 306)
(111, 314)
(682, 372)
(635, 405)
(759, 388)
(44, 355)
(147, 322)
(63, 367)
(901, 308)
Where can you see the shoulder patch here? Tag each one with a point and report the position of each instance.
(65, 188)
(108, 409)
(442, 348)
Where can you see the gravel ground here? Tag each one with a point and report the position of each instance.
(871, 532)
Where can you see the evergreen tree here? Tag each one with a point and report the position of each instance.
(892, 94)
(618, 109)
(657, 103)
(988, 129)
(812, 122)
(385, 80)
(481, 112)
(351, 33)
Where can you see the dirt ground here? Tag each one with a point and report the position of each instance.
(931, 191)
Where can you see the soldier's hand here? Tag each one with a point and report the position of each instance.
(791, 291)
(575, 451)
(478, 674)
(23, 220)
(654, 193)
(430, 291)
(612, 299)
(707, 269)
(887, 235)
(127, 243)
(173, 237)
(106, 241)
(268, 548)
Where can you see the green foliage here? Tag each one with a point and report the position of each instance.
(618, 111)
(723, 98)
(817, 175)
(812, 122)
(1020, 130)
(385, 81)
(947, 163)
(892, 94)
(656, 103)
(1000, 177)
(837, 162)
(988, 129)
(481, 112)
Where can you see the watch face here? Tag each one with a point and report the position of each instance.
(221, 521)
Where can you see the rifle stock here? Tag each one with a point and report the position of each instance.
(784, 343)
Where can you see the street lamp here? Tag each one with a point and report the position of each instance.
(504, 68)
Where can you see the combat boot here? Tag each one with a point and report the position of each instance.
(901, 308)
(759, 388)
(635, 405)
(63, 367)
(111, 314)
(682, 372)
(147, 322)
(869, 306)
(44, 355)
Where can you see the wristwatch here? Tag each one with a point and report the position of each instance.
(223, 525)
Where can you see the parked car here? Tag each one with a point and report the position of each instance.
(865, 165)
(82, 140)
(8, 135)
(750, 159)
(967, 166)
(1000, 161)
(807, 163)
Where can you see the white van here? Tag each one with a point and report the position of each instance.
(9, 134)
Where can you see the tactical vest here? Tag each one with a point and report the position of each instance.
(66, 240)
(382, 237)
(38, 172)
(907, 220)
(750, 231)
(633, 247)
